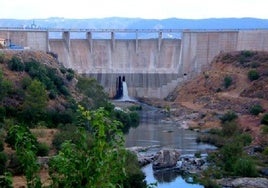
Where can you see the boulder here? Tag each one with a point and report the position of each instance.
(166, 158)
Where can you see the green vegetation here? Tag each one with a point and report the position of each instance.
(15, 64)
(89, 141)
(253, 75)
(256, 109)
(231, 159)
(227, 81)
(264, 119)
(97, 158)
(228, 116)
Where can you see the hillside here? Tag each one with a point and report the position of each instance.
(236, 81)
(36, 88)
(42, 106)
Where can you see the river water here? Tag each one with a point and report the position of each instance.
(156, 132)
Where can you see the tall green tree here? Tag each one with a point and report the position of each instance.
(35, 101)
(96, 163)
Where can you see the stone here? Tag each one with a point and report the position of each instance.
(264, 171)
(166, 158)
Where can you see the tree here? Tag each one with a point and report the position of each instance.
(35, 101)
(96, 163)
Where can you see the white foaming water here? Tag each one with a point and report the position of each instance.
(125, 93)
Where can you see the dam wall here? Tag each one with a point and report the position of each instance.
(149, 69)
(152, 67)
(200, 47)
(26, 38)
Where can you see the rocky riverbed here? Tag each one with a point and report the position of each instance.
(170, 159)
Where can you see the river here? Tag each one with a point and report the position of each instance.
(155, 131)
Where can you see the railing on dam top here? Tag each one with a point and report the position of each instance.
(57, 33)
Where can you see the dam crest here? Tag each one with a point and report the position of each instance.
(152, 67)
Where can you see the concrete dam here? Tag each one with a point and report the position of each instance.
(152, 67)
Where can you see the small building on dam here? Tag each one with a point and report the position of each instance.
(152, 67)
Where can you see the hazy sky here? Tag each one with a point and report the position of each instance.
(157, 9)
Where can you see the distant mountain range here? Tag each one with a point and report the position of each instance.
(138, 23)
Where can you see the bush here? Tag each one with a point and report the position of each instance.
(264, 119)
(135, 177)
(135, 108)
(15, 64)
(230, 153)
(2, 57)
(25, 82)
(42, 149)
(63, 70)
(17, 132)
(6, 180)
(245, 167)
(134, 119)
(228, 81)
(256, 109)
(229, 128)
(69, 76)
(64, 90)
(253, 75)
(265, 151)
(52, 94)
(245, 139)
(3, 160)
(66, 133)
(228, 116)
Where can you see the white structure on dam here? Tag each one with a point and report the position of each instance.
(152, 67)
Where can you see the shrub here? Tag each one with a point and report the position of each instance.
(264, 119)
(134, 119)
(17, 132)
(2, 113)
(254, 64)
(25, 82)
(229, 128)
(245, 167)
(253, 75)
(265, 151)
(52, 94)
(135, 177)
(3, 160)
(15, 64)
(247, 53)
(1, 145)
(6, 180)
(227, 81)
(230, 152)
(256, 109)
(135, 108)
(64, 90)
(42, 149)
(245, 139)
(228, 116)
(66, 133)
(2, 57)
(264, 129)
(69, 76)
